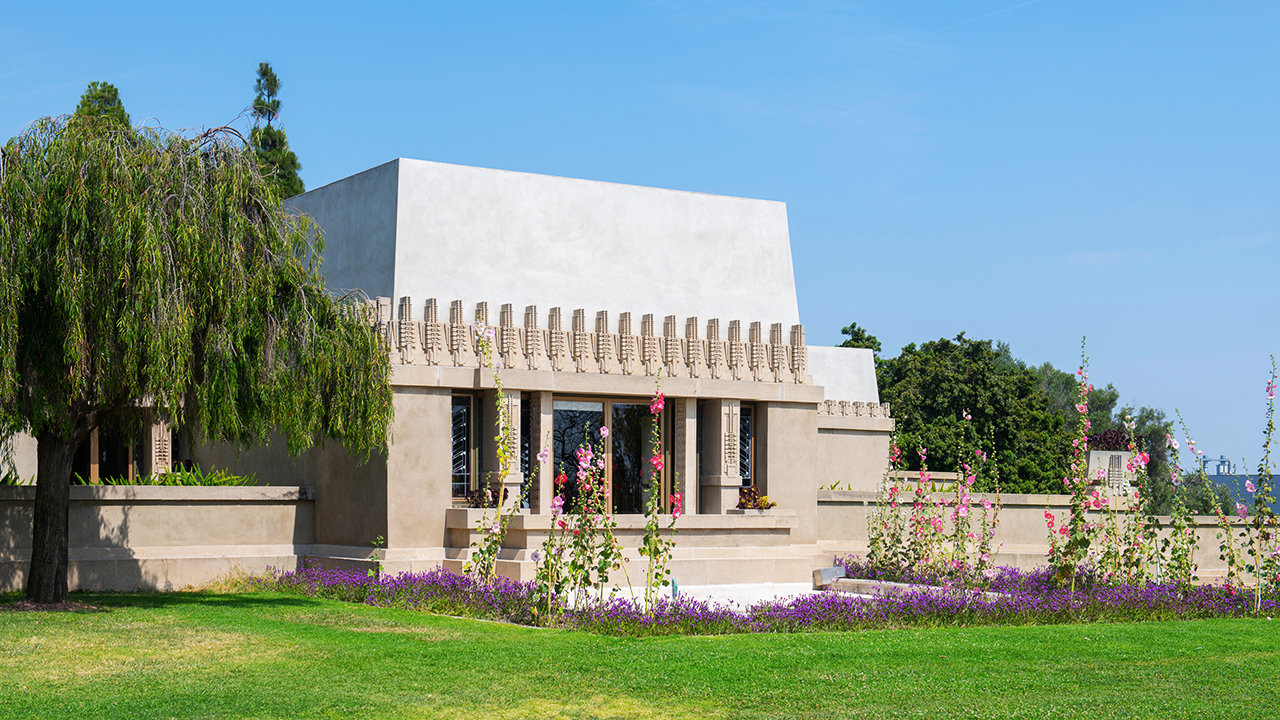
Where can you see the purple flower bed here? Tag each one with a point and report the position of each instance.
(1030, 598)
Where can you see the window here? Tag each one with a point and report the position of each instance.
(464, 450)
(746, 445)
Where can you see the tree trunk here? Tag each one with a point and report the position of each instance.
(47, 579)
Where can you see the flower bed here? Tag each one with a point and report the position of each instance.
(1030, 598)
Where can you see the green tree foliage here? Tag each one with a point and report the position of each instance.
(859, 338)
(149, 267)
(931, 386)
(269, 142)
(1062, 388)
(101, 99)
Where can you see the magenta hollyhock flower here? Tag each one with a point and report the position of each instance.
(1242, 510)
(544, 454)
(658, 403)
(1248, 485)
(557, 505)
(656, 462)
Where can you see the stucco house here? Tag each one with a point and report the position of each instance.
(596, 292)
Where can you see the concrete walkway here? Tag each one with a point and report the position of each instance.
(747, 594)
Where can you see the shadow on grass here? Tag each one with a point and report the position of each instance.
(159, 600)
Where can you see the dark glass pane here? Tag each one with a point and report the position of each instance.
(745, 438)
(574, 423)
(461, 446)
(525, 442)
(629, 437)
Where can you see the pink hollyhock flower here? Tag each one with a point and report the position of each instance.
(656, 462)
(1082, 408)
(658, 403)
(964, 511)
(582, 474)
(965, 414)
(604, 432)
(600, 463)
(1242, 511)
(1101, 474)
(677, 505)
(544, 454)
(986, 504)
(557, 505)
(1248, 485)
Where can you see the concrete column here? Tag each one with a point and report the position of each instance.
(787, 462)
(721, 481)
(684, 450)
(541, 418)
(157, 453)
(490, 424)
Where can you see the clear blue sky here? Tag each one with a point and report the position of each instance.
(1025, 171)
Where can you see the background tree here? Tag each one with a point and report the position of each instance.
(930, 387)
(101, 99)
(1062, 389)
(859, 338)
(269, 142)
(145, 264)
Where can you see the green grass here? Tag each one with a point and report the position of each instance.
(264, 655)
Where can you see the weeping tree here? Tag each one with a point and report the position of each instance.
(141, 268)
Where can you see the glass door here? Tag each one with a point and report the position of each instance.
(579, 421)
(629, 438)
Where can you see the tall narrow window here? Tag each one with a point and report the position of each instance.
(462, 445)
(746, 445)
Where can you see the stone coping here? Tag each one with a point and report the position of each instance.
(467, 518)
(1055, 503)
(175, 494)
(869, 497)
(836, 423)
(602, 383)
(883, 588)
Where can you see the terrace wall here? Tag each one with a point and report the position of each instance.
(163, 538)
(842, 523)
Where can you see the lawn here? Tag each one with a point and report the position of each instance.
(266, 655)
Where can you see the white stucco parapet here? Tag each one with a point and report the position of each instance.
(429, 229)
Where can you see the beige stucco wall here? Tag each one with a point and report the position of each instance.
(852, 452)
(351, 505)
(130, 537)
(788, 463)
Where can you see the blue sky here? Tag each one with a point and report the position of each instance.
(1025, 171)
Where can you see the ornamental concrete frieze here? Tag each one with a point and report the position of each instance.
(853, 409)
(596, 348)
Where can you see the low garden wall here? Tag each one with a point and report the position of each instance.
(842, 528)
(162, 538)
(750, 546)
